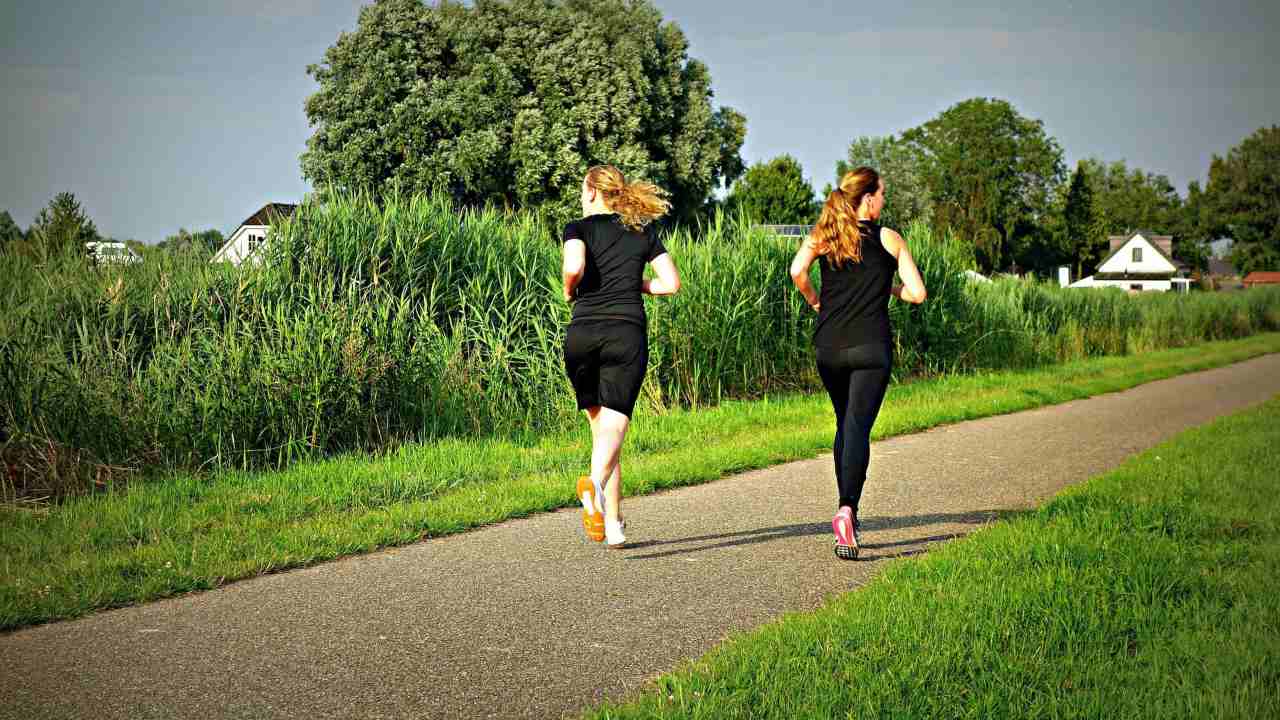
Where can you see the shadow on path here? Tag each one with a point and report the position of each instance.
(778, 532)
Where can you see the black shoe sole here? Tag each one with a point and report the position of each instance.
(847, 552)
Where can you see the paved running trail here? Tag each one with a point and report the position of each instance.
(527, 620)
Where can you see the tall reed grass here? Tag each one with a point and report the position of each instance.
(371, 323)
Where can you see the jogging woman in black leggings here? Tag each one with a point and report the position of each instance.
(606, 350)
(852, 338)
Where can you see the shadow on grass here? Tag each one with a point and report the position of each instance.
(781, 532)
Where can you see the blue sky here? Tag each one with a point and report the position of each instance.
(160, 115)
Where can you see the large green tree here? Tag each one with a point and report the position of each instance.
(990, 172)
(901, 167)
(1243, 199)
(774, 192)
(510, 101)
(1067, 234)
(62, 227)
(1193, 229)
(1081, 225)
(1130, 199)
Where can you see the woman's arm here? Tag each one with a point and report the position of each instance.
(912, 288)
(575, 264)
(800, 271)
(667, 281)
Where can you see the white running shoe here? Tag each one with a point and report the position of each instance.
(613, 536)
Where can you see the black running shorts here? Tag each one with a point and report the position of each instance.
(606, 361)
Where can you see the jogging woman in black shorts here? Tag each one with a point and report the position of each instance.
(606, 350)
(852, 338)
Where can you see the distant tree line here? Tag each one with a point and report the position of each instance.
(63, 226)
(997, 181)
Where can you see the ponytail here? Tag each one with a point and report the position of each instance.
(838, 234)
(638, 203)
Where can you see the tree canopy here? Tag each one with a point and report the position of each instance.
(990, 173)
(1131, 199)
(1243, 200)
(510, 101)
(774, 192)
(62, 227)
(901, 168)
(1083, 240)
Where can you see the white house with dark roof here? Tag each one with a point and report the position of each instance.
(252, 233)
(1139, 262)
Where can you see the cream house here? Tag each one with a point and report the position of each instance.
(1139, 262)
(252, 233)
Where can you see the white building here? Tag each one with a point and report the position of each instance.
(252, 233)
(112, 252)
(1139, 262)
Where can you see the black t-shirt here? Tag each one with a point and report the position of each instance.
(854, 299)
(616, 256)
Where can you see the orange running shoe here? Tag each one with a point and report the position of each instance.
(592, 518)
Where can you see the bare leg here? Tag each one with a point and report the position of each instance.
(613, 493)
(608, 429)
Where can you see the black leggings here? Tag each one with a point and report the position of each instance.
(856, 379)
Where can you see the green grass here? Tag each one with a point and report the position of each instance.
(194, 532)
(1148, 592)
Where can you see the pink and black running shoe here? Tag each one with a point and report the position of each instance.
(845, 527)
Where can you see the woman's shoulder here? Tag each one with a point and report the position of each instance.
(575, 230)
(890, 240)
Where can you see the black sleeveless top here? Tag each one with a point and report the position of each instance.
(854, 299)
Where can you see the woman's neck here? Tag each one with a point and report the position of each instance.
(595, 208)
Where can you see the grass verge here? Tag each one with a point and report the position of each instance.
(192, 532)
(1147, 592)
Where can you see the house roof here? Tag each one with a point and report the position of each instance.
(1259, 277)
(1150, 237)
(270, 213)
(267, 215)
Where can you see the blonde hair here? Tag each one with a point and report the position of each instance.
(639, 203)
(837, 234)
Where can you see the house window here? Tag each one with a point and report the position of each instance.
(1137, 254)
(1136, 287)
(254, 242)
